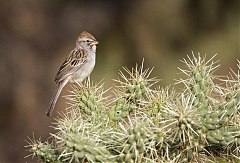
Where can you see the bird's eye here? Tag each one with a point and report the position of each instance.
(88, 40)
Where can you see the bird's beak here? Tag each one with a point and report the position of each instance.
(94, 42)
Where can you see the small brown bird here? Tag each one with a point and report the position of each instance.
(77, 66)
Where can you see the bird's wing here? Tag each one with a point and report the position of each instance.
(76, 59)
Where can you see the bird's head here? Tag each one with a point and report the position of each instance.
(86, 41)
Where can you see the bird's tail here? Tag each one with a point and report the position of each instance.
(55, 98)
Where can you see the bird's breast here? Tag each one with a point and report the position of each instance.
(85, 70)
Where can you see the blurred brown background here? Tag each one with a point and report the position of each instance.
(36, 36)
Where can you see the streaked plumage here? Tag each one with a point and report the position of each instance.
(77, 66)
(73, 62)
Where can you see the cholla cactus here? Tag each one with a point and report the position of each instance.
(139, 123)
(131, 92)
(43, 151)
(87, 98)
(199, 81)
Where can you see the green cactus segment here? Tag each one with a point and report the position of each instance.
(128, 100)
(136, 86)
(201, 85)
(232, 103)
(158, 100)
(81, 141)
(214, 120)
(218, 129)
(134, 145)
(157, 141)
(131, 93)
(200, 80)
(135, 90)
(45, 152)
(219, 136)
(85, 150)
(87, 99)
(87, 102)
(121, 110)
